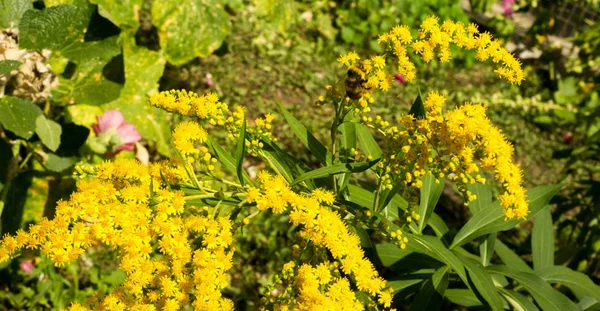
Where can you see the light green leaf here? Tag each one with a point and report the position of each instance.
(486, 249)
(240, 153)
(6, 66)
(510, 258)
(493, 220)
(483, 282)
(580, 284)
(335, 169)
(58, 164)
(123, 13)
(53, 28)
(430, 194)
(431, 295)
(367, 142)
(542, 240)
(463, 297)
(188, 28)
(275, 159)
(518, 301)
(48, 131)
(484, 197)
(19, 115)
(547, 297)
(225, 158)
(11, 12)
(348, 135)
(589, 304)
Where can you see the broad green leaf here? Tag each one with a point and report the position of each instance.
(482, 282)
(486, 249)
(510, 258)
(484, 197)
(48, 131)
(229, 163)
(314, 146)
(518, 301)
(123, 13)
(390, 254)
(493, 220)
(580, 284)
(11, 12)
(6, 66)
(143, 68)
(54, 28)
(433, 247)
(188, 28)
(417, 109)
(367, 142)
(19, 115)
(547, 297)
(542, 240)
(240, 152)
(430, 194)
(463, 297)
(335, 169)
(431, 295)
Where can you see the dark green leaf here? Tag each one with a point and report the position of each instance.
(542, 240)
(365, 240)
(463, 297)
(431, 295)
(519, 301)
(314, 146)
(417, 109)
(11, 12)
(58, 164)
(439, 227)
(19, 115)
(547, 297)
(580, 284)
(493, 220)
(430, 194)
(335, 169)
(48, 131)
(390, 254)
(510, 258)
(6, 66)
(483, 282)
(367, 142)
(189, 29)
(433, 247)
(240, 152)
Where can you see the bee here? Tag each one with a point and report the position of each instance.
(355, 82)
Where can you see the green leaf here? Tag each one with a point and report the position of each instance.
(11, 12)
(547, 297)
(365, 240)
(431, 295)
(348, 135)
(123, 13)
(276, 160)
(439, 227)
(510, 258)
(367, 142)
(517, 300)
(314, 146)
(484, 197)
(59, 164)
(6, 66)
(53, 28)
(483, 282)
(240, 152)
(188, 28)
(417, 109)
(463, 297)
(589, 304)
(493, 219)
(48, 131)
(226, 159)
(335, 169)
(96, 53)
(580, 284)
(143, 68)
(389, 253)
(430, 194)
(542, 240)
(433, 247)
(486, 249)
(19, 115)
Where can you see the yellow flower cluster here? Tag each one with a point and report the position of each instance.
(323, 227)
(126, 206)
(445, 145)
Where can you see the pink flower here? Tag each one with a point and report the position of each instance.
(209, 81)
(567, 138)
(507, 6)
(114, 134)
(27, 266)
(400, 79)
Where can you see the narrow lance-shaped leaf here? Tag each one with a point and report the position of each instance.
(431, 295)
(430, 194)
(517, 300)
(307, 138)
(240, 153)
(225, 158)
(484, 197)
(417, 109)
(433, 247)
(510, 258)
(486, 249)
(335, 169)
(542, 240)
(367, 142)
(580, 284)
(483, 282)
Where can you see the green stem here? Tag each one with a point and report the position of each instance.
(377, 196)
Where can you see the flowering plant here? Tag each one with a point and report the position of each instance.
(113, 134)
(173, 224)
